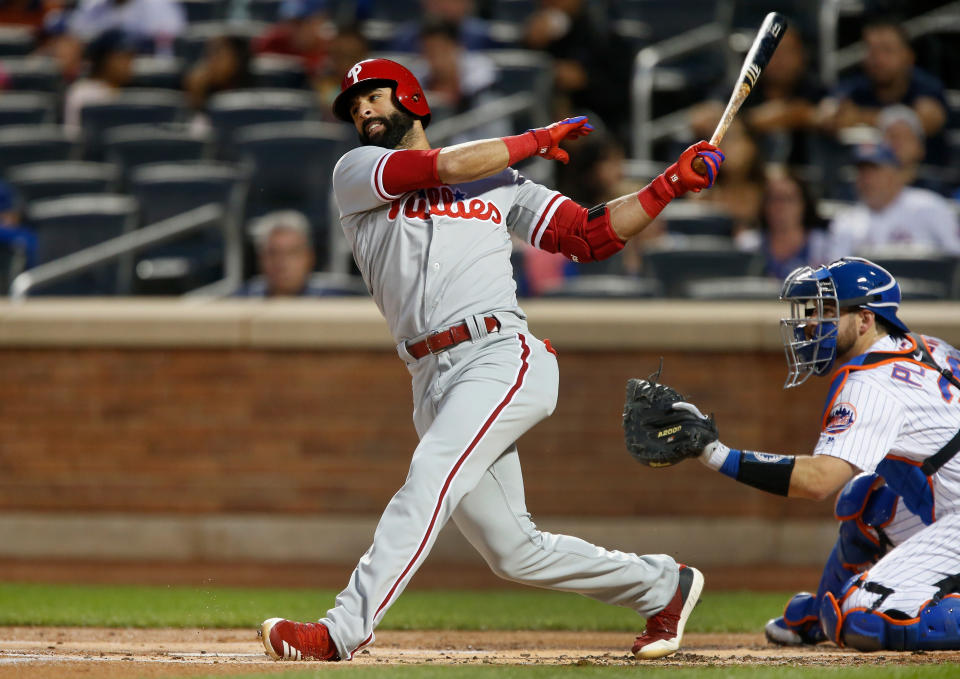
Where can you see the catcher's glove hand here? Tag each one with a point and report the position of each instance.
(660, 428)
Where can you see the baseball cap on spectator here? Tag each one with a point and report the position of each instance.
(875, 154)
(900, 114)
(111, 40)
(300, 9)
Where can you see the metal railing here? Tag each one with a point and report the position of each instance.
(501, 107)
(154, 234)
(647, 61)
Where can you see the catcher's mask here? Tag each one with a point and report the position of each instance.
(851, 282)
(382, 73)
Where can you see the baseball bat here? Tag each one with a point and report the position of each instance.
(764, 44)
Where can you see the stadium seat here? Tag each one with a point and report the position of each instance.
(264, 10)
(33, 73)
(128, 108)
(514, 11)
(33, 143)
(607, 286)
(152, 72)
(204, 10)
(16, 41)
(676, 268)
(759, 288)
(12, 259)
(169, 189)
(922, 277)
(291, 166)
(56, 179)
(190, 45)
(27, 108)
(229, 111)
(65, 225)
(394, 11)
(695, 218)
(131, 146)
(525, 71)
(278, 71)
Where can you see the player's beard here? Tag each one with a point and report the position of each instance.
(396, 127)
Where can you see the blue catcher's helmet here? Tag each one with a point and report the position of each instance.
(848, 282)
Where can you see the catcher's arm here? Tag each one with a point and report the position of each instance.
(812, 477)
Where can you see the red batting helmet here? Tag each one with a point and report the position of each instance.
(381, 73)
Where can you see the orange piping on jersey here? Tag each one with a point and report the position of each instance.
(933, 496)
(845, 370)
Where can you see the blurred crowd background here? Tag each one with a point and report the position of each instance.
(184, 147)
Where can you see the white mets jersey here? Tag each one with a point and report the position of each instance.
(898, 408)
(436, 256)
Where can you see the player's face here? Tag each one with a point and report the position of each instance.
(378, 121)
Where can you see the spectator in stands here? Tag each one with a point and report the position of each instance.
(347, 47)
(55, 41)
(304, 30)
(791, 233)
(891, 215)
(22, 13)
(110, 59)
(472, 31)
(285, 257)
(224, 66)
(591, 67)
(14, 235)
(902, 131)
(889, 77)
(457, 80)
(739, 189)
(781, 112)
(154, 24)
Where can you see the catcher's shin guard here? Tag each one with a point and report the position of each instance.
(935, 628)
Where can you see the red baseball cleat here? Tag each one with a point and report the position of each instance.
(287, 640)
(665, 629)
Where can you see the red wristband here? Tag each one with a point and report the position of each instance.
(655, 196)
(521, 146)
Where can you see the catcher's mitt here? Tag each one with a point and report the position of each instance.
(660, 428)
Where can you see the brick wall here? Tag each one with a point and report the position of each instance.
(253, 430)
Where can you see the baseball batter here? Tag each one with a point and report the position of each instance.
(890, 432)
(430, 231)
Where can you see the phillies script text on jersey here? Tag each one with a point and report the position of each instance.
(444, 202)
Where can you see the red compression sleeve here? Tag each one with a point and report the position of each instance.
(654, 196)
(579, 234)
(407, 170)
(521, 146)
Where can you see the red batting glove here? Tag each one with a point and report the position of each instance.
(680, 177)
(545, 141)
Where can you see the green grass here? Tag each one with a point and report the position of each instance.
(138, 606)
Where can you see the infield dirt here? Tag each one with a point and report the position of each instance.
(72, 652)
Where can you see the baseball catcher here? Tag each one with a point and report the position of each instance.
(890, 434)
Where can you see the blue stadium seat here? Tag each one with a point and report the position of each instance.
(676, 268)
(264, 10)
(153, 72)
(65, 225)
(190, 45)
(33, 143)
(131, 146)
(38, 181)
(291, 167)
(33, 73)
(169, 189)
(204, 10)
(922, 277)
(16, 41)
(230, 111)
(27, 108)
(12, 261)
(129, 107)
(608, 286)
(277, 71)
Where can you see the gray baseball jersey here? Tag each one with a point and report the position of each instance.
(433, 258)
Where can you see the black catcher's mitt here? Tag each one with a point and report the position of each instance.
(659, 434)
